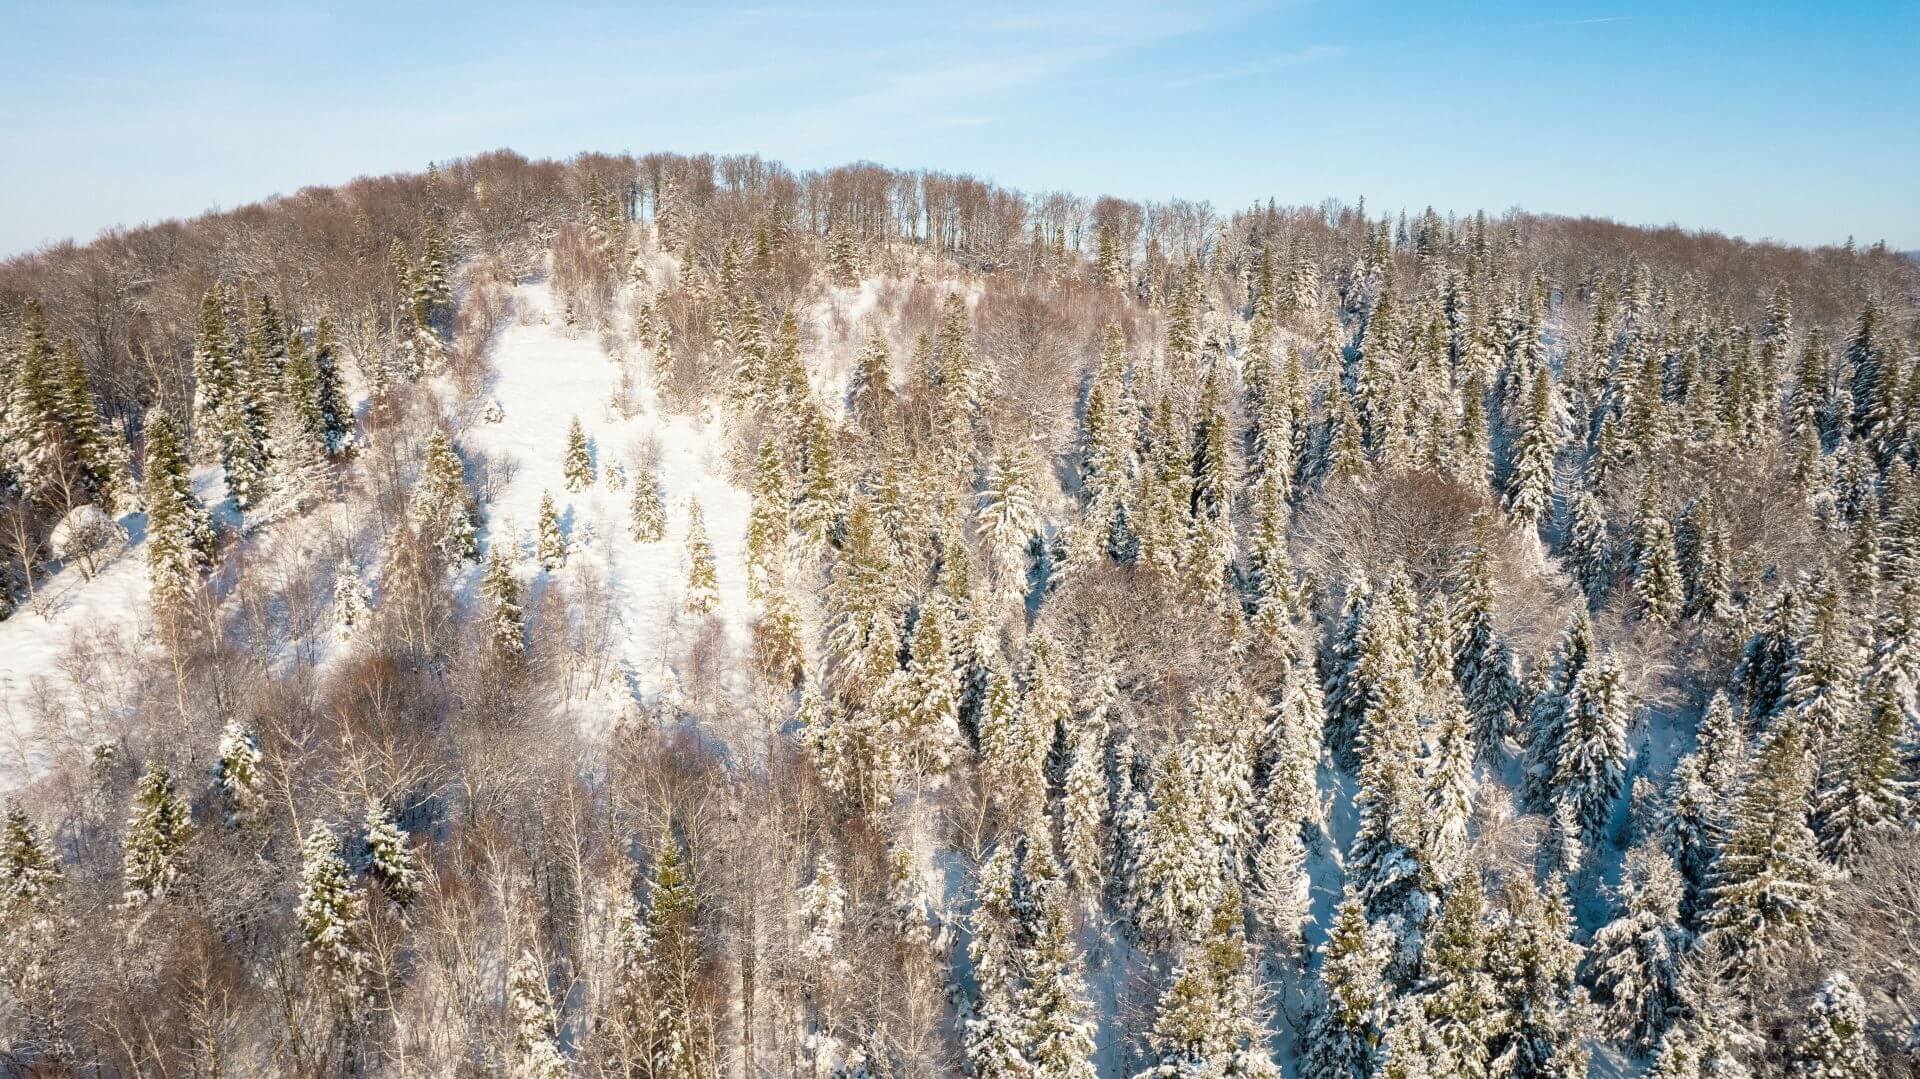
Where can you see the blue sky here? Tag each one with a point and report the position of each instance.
(1795, 121)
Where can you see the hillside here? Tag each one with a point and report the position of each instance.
(679, 617)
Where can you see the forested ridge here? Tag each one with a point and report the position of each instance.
(955, 632)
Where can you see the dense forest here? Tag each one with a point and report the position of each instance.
(957, 632)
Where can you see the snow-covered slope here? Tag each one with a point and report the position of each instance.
(544, 379)
(58, 650)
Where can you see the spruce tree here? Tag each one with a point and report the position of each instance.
(38, 932)
(647, 511)
(329, 391)
(871, 397)
(702, 594)
(929, 695)
(352, 610)
(441, 507)
(330, 915)
(1529, 489)
(1588, 549)
(1387, 860)
(179, 535)
(767, 522)
(1692, 829)
(1592, 757)
(1084, 802)
(1862, 790)
(1832, 1040)
(1637, 961)
(1865, 358)
(1821, 685)
(157, 830)
(1483, 665)
(1658, 592)
(1206, 1023)
(1770, 883)
(819, 505)
(678, 1035)
(75, 412)
(536, 1051)
(237, 774)
(862, 633)
(507, 629)
(1532, 958)
(1012, 750)
(1448, 787)
(390, 858)
(30, 408)
(1350, 1010)
(215, 378)
(1760, 677)
(29, 872)
(299, 475)
(1279, 889)
(1008, 520)
(240, 430)
(550, 542)
(1290, 751)
(1545, 724)
(1053, 1008)
(1458, 994)
(1177, 875)
(577, 466)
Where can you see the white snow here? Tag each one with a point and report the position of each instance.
(544, 378)
(50, 650)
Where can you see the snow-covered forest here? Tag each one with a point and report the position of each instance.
(678, 616)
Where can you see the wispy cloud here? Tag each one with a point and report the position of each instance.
(1583, 22)
(1253, 69)
(948, 78)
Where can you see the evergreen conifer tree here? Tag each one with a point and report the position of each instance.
(237, 774)
(330, 913)
(1532, 958)
(1456, 990)
(1529, 489)
(1587, 547)
(1084, 805)
(577, 467)
(179, 535)
(1343, 1037)
(1483, 665)
(1637, 961)
(1008, 520)
(157, 829)
(550, 542)
(1770, 882)
(647, 511)
(351, 601)
(329, 392)
(390, 859)
(530, 1009)
(1206, 1024)
(1657, 588)
(441, 507)
(1593, 747)
(702, 594)
(299, 474)
(767, 523)
(1862, 789)
(215, 379)
(1832, 1041)
(507, 630)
